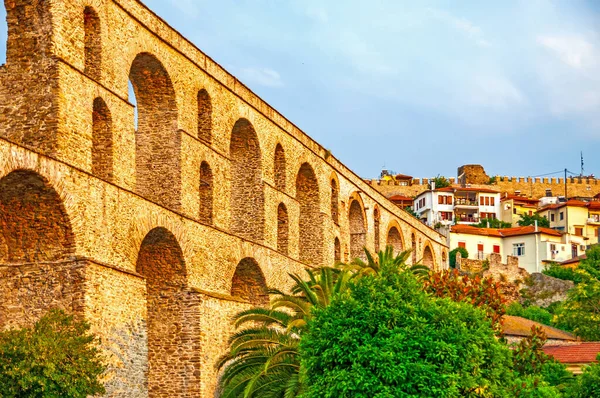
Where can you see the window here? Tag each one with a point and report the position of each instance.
(487, 200)
(596, 232)
(462, 244)
(481, 200)
(578, 231)
(518, 249)
(441, 200)
(446, 215)
(480, 251)
(497, 249)
(552, 217)
(493, 201)
(562, 215)
(530, 213)
(553, 251)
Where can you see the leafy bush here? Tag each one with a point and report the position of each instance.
(581, 311)
(387, 338)
(493, 223)
(441, 182)
(56, 358)
(560, 272)
(452, 255)
(526, 220)
(586, 385)
(534, 313)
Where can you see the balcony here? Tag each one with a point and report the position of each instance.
(465, 202)
(462, 218)
(594, 219)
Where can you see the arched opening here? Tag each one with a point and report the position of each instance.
(428, 257)
(102, 141)
(394, 239)
(282, 229)
(171, 319)
(444, 258)
(249, 283)
(158, 141)
(247, 193)
(376, 229)
(413, 240)
(33, 222)
(279, 168)
(358, 230)
(335, 200)
(310, 228)
(92, 43)
(206, 194)
(337, 250)
(204, 116)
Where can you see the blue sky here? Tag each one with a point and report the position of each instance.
(420, 86)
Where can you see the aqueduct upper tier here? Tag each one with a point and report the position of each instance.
(158, 221)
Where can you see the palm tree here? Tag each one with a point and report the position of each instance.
(385, 258)
(263, 358)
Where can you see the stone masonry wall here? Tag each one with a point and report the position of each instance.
(110, 220)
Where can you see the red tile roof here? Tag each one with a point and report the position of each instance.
(570, 202)
(574, 259)
(504, 232)
(574, 353)
(594, 205)
(403, 177)
(518, 326)
(400, 197)
(519, 198)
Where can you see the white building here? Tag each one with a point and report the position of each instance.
(535, 247)
(465, 205)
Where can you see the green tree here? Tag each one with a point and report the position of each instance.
(526, 220)
(581, 311)
(386, 337)
(534, 313)
(565, 273)
(587, 384)
(452, 255)
(441, 182)
(57, 357)
(493, 223)
(410, 211)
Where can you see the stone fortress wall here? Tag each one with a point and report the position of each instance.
(475, 177)
(158, 234)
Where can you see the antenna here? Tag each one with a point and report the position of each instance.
(581, 163)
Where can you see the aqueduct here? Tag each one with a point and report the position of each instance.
(158, 223)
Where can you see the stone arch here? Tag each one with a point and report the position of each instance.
(394, 239)
(310, 228)
(102, 141)
(282, 229)
(428, 257)
(247, 193)
(248, 283)
(413, 242)
(34, 224)
(204, 116)
(279, 169)
(172, 316)
(158, 141)
(358, 229)
(337, 250)
(376, 229)
(206, 194)
(92, 43)
(335, 200)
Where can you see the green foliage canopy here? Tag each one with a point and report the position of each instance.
(452, 255)
(56, 358)
(526, 220)
(493, 223)
(387, 338)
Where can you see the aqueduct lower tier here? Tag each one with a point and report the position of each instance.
(158, 222)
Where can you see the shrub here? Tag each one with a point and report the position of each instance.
(534, 313)
(57, 357)
(567, 274)
(387, 338)
(452, 255)
(587, 384)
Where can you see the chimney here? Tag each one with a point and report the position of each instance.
(433, 185)
(536, 226)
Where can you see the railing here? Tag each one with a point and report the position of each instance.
(460, 218)
(465, 202)
(594, 218)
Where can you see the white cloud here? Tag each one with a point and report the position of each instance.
(495, 92)
(472, 31)
(574, 51)
(262, 76)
